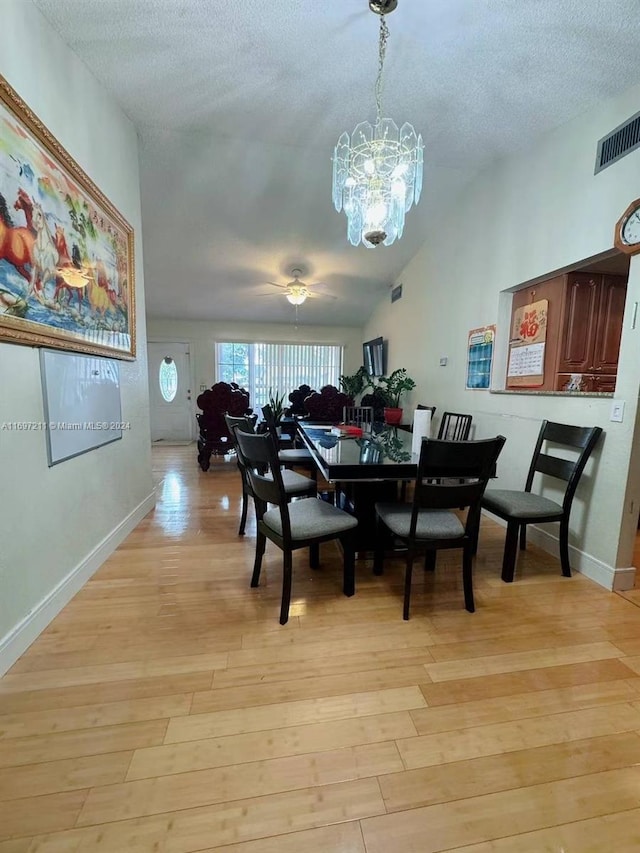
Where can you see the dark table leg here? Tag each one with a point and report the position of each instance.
(359, 499)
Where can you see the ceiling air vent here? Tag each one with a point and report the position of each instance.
(396, 293)
(618, 143)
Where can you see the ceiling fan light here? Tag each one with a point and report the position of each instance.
(297, 295)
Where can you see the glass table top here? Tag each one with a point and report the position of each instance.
(381, 445)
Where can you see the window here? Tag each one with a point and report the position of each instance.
(259, 367)
(168, 379)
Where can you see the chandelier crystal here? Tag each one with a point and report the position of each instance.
(377, 172)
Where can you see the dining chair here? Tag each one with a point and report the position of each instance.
(519, 508)
(289, 456)
(361, 416)
(301, 524)
(451, 475)
(297, 398)
(295, 484)
(213, 435)
(454, 426)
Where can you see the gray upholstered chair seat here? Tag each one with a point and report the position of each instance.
(294, 483)
(292, 456)
(561, 452)
(435, 506)
(432, 523)
(519, 504)
(311, 518)
(308, 522)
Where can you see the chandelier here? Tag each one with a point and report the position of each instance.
(377, 173)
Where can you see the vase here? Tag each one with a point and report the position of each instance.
(392, 415)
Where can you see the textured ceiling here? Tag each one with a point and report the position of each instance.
(238, 104)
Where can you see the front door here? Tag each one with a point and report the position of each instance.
(171, 410)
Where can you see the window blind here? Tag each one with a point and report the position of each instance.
(279, 368)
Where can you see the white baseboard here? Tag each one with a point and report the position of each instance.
(20, 637)
(592, 568)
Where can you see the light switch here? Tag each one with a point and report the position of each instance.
(443, 361)
(617, 411)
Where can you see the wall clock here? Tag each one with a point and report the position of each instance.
(627, 234)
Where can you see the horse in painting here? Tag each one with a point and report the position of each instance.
(24, 203)
(44, 254)
(16, 243)
(101, 296)
(71, 278)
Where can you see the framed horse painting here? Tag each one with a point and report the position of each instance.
(66, 253)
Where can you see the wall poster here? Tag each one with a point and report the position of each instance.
(480, 346)
(527, 345)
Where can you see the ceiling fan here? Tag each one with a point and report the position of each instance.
(297, 291)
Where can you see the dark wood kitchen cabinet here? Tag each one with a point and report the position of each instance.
(592, 324)
(609, 328)
(584, 327)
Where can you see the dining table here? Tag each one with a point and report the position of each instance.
(365, 467)
(380, 453)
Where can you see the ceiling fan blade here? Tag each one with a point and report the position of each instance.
(312, 295)
(274, 284)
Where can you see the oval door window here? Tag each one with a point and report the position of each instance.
(168, 379)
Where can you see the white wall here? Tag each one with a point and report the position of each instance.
(57, 524)
(540, 211)
(203, 335)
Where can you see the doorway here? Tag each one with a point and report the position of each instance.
(170, 408)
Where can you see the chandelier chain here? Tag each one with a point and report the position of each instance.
(382, 49)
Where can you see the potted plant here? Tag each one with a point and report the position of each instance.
(356, 384)
(395, 386)
(276, 401)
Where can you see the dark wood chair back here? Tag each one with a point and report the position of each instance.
(213, 435)
(246, 423)
(454, 477)
(451, 475)
(327, 405)
(455, 426)
(520, 508)
(315, 521)
(583, 439)
(260, 456)
(357, 415)
(297, 398)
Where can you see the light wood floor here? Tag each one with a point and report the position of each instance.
(165, 709)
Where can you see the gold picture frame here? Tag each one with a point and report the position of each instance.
(67, 276)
